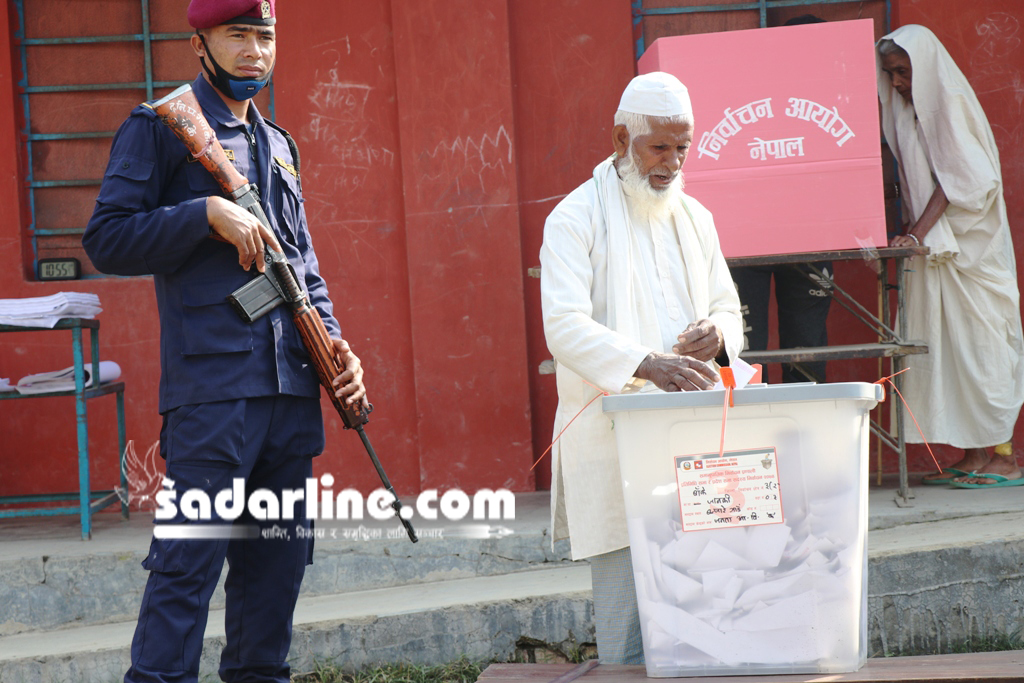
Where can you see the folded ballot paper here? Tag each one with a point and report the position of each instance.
(742, 372)
(752, 598)
(64, 380)
(45, 311)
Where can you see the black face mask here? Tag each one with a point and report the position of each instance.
(239, 89)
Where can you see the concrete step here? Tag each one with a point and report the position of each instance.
(481, 617)
(50, 583)
(933, 585)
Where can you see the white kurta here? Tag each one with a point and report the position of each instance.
(612, 293)
(963, 299)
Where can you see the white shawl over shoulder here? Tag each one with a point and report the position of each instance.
(963, 299)
(600, 323)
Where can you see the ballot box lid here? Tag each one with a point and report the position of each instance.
(752, 395)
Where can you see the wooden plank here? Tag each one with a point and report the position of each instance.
(841, 352)
(808, 257)
(812, 256)
(500, 673)
(978, 667)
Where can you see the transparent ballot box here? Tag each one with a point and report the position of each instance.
(752, 561)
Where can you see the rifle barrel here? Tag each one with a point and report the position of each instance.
(397, 504)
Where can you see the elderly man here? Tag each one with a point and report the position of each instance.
(239, 400)
(636, 296)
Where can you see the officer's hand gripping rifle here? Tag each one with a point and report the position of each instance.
(181, 112)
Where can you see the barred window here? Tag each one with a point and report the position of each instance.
(84, 66)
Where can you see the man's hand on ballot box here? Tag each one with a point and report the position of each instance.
(701, 340)
(348, 386)
(238, 227)
(671, 372)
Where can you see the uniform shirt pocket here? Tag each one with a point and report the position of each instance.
(208, 323)
(125, 181)
(287, 200)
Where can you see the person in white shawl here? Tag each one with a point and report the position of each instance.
(963, 297)
(636, 295)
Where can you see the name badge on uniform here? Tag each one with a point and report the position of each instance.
(286, 166)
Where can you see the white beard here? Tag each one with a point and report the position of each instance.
(646, 201)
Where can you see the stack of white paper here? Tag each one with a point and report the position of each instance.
(45, 311)
(5, 384)
(64, 380)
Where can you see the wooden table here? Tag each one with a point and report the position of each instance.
(892, 343)
(978, 667)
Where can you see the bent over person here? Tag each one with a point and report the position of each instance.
(963, 297)
(238, 400)
(636, 295)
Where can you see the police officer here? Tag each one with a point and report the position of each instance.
(239, 400)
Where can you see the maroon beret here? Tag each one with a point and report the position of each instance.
(210, 13)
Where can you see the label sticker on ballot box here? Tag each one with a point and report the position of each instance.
(741, 488)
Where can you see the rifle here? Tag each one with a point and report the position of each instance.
(181, 112)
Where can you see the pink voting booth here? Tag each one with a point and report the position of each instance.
(786, 149)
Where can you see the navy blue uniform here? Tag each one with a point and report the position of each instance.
(150, 219)
(238, 399)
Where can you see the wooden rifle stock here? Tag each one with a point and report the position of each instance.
(181, 112)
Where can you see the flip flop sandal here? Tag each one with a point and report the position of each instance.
(1000, 481)
(944, 482)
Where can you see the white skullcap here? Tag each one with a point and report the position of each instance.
(656, 94)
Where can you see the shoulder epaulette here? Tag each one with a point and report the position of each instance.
(143, 109)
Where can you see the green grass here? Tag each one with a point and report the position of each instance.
(459, 671)
(993, 643)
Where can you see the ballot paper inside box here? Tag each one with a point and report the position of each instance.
(786, 151)
(753, 562)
